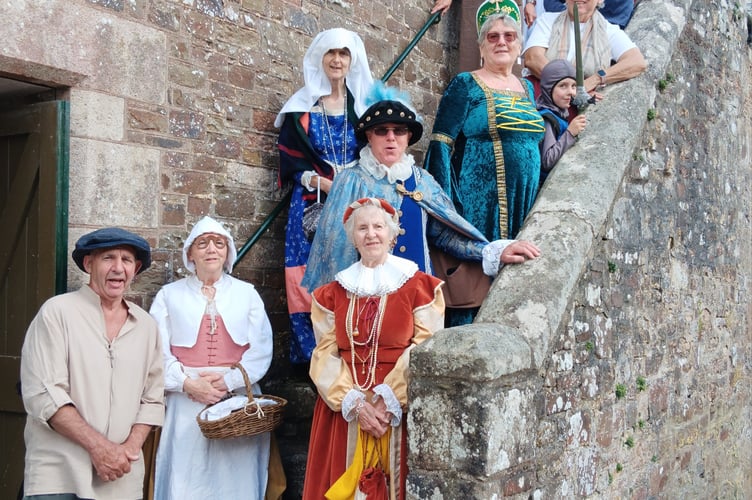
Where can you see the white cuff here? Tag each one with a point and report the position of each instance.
(392, 405)
(350, 403)
(305, 179)
(492, 256)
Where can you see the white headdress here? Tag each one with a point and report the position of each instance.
(358, 79)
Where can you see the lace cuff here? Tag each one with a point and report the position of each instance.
(305, 179)
(352, 404)
(392, 405)
(492, 256)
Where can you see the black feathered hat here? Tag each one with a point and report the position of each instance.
(389, 111)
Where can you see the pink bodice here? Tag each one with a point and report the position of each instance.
(216, 349)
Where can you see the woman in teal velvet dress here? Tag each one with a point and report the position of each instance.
(484, 147)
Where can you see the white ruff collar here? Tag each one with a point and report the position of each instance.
(380, 280)
(400, 171)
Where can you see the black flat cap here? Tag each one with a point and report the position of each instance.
(110, 237)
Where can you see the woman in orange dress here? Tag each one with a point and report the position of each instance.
(366, 322)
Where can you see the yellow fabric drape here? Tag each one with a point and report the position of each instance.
(369, 452)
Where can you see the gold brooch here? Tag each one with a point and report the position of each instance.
(415, 195)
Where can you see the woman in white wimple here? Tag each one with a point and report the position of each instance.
(208, 322)
(316, 141)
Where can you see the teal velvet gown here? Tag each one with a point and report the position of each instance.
(484, 154)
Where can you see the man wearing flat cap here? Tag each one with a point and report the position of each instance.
(91, 377)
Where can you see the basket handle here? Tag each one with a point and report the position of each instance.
(248, 388)
(249, 392)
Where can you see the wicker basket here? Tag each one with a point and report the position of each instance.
(248, 421)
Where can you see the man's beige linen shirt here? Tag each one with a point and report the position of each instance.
(67, 359)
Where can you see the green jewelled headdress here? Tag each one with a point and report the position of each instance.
(488, 8)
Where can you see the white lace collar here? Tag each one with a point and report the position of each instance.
(400, 171)
(380, 280)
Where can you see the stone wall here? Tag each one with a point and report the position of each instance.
(627, 359)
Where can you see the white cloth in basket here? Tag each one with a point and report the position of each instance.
(224, 408)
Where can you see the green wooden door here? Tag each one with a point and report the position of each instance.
(33, 247)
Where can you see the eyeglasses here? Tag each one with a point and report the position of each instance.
(382, 131)
(203, 242)
(494, 37)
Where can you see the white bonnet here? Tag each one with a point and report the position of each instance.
(209, 225)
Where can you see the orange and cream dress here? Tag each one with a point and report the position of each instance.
(366, 322)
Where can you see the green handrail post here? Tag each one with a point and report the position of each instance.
(435, 18)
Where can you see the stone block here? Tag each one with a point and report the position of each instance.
(176, 159)
(148, 120)
(224, 146)
(230, 201)
(199, 206)
(164, 15)
(96, 115)
(485, 435)
(556, 402)
(100, 173)
(186, 75)
(471, 353)
(173, 211)
(191, 182)
(187, 124)
(103, 46)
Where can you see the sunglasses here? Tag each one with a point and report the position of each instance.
(382, 131)
(494, 37)
(203, 242)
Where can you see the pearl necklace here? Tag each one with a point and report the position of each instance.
(371, 359)
(337, 165)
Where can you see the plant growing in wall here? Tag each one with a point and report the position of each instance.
(620, 391)
(664, 82)
(629, 443)
(641, 384)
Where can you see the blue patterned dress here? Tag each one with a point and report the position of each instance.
(307, 141)
(484, 153)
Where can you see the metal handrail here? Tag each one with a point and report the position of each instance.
(435, 18)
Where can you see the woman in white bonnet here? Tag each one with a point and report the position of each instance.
(207, 322)
(317, 140)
